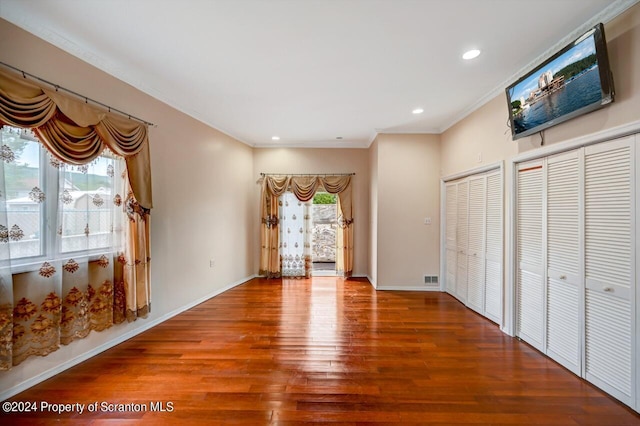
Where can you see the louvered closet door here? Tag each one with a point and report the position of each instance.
(476, 243)
(529, 235)
(493, 253)
(609, 267)
(451, 247)
(564, 260)
(462, 238)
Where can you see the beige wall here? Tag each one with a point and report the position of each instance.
(408, 191)
(373, 213)
(623, 43)
(320, 161)
(482, 135)
(203, 195)
(485, 131)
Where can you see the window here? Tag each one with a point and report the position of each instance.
(54, 208)
(24, 195)
(86, 206)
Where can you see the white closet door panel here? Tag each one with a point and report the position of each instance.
(529, 235)
(608, 216)
(462, 239)
(451, 245)
(529, 218)
(608, 344)
(609, 266)
(563, 324)
(475, 269)
(563, 212)
(494, 217)
(451, 214)
(462, 218)
(493, 253)
(531, 308)
(477, 201)
(564, 261)
(475, 284)
(461, 277)
(493, 290)
(451, 270)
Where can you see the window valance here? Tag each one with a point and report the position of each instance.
(304, 187)
(75, 132)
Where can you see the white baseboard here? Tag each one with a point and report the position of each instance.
(408, 288)
(371, 281)
(8, 393)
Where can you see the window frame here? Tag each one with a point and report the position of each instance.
(49, 183)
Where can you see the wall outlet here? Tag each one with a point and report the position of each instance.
(427, 221)
(212, 263)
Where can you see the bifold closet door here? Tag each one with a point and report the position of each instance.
(476, 243)
(564, 260)
(451, 247)
(530, 256)
(610, 267)
(493, 244)
(462, 239)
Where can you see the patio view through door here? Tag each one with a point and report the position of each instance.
(324, 224)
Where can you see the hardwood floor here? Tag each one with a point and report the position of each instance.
(326, 350)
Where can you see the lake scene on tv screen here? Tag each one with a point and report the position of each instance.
(569, 82)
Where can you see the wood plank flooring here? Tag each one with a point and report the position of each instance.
(325, 350)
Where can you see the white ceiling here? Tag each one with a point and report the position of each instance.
(311, 71)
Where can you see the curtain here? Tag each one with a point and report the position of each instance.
(304, 187)
(67, 294)
(344, 234)
(269, 226)
(71, 291)
(295, 233)
(134, 286)
(75, 132)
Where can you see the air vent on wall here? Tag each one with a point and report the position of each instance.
(431, 280)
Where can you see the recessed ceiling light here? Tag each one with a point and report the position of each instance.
(275, 138)
(471, 54)
(418, 111)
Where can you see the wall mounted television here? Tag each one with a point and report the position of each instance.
(574, 81)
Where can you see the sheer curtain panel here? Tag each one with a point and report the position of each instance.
(295, 245)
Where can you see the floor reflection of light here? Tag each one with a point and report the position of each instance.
(311, 324)
(324, 345)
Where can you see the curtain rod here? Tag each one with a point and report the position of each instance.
(86, 98)
(307, 174)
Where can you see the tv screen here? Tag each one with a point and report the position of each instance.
(572, 82)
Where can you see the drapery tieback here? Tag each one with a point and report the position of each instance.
(344, 223)
(271, 221)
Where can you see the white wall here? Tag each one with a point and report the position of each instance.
(320, 161)
(408, 191)
(203, 197)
